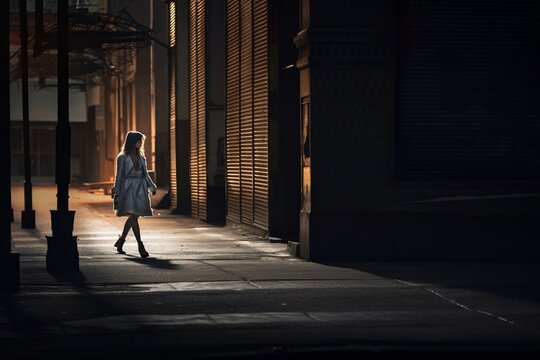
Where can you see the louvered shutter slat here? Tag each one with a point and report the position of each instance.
(247, 112)
(233, 111)
(197, 110)
(172, 109)
(260, 95)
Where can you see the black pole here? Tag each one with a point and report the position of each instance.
(63, 129)
(9, 261)
(5, 150)
(28, 214)
(38, 18)
(62, 253)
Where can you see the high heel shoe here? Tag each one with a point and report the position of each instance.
(142, 251)
(119, 243)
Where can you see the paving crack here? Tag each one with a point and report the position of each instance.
(510, 322)
(231, 273)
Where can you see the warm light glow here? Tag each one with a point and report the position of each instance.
(172, 24)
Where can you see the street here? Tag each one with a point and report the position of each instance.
(209, 291)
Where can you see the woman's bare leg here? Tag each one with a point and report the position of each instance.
(137, 233)
(136, 228)
(127, 227)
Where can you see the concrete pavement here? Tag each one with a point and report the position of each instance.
(209, 291)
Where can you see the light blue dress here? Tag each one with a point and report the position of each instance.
(132, 186)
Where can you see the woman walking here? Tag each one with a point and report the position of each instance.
(131, 187)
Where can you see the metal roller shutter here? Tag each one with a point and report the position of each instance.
(247, 112)
(233, 111)
(260, 113)
(201, 109)
(197, 107)
(172, 106)
(468, 90)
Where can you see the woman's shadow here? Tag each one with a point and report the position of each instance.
(153, 262)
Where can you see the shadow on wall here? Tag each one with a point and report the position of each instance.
(473, 229)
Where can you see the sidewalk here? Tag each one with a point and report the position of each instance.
(210, 291)
(173, 242)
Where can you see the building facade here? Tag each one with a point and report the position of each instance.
(419, 130)
(409, 132)
(354, 130)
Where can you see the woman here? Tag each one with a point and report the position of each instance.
(131, 186)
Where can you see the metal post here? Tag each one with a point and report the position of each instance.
(9, 261)
(38, 18)
(5, 194)
(62, 253)
(63, 129)
(28, 220)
